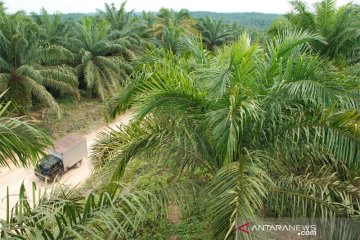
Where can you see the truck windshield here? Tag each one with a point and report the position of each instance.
(47, 162)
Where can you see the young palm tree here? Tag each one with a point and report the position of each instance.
(338, 26)
(148, 17)
(21, 142)
(276, 134)
(214, 32)
(167, 17)
(171, 25)
(24, 64)
(99, 68)
(118, 19)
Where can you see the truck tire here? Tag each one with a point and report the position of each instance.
(78, 164)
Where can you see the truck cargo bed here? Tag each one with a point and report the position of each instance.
(72, 150)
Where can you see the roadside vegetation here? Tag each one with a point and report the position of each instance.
(81, 118)
(226, 128)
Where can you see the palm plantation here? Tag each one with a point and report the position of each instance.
(99, 68)
(215, 32)
(219, 119)
(25, 67)
(226, 129)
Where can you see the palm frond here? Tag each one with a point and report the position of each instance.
(39, 91)
(237, 192)
(320, 194)
(62, 213)
(21, 142)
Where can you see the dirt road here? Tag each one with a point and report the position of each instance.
(13, 178)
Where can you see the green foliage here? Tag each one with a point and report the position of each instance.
(53, 27)
(126, 29)
(21, 142)
(171, 25)
(251, 21)
(79, 118)
(338, 26)
(99, 69)
(24, 64)
(237, 192)
(61, 213)
(191, 228)
(215, 32)
(239, 115)
(316, 194)
(225, 129)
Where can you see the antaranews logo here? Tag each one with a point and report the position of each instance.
(300, 230)
(244, 228)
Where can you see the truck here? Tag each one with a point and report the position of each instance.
(67, 153)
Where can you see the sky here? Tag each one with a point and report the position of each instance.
(86, 6)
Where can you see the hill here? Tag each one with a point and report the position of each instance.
(250, 20)
(77, 16)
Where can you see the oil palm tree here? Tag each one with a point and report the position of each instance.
(126, 27)
(273, 131)
(118, 19)
(166, 17)
(214, 32)
(171, 25)
(26, 64)
(338, 26)
(148, 17)
(21, 142)
(53, 28)
(100, 68)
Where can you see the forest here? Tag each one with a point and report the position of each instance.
(230, 124)
(251, 21)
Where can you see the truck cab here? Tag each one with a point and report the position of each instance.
(68, 152)
(49, 167)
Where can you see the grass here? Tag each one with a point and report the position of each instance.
(82, 118)
(191, 228)
(144, 174)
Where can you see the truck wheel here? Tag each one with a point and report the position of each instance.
(78, 164)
